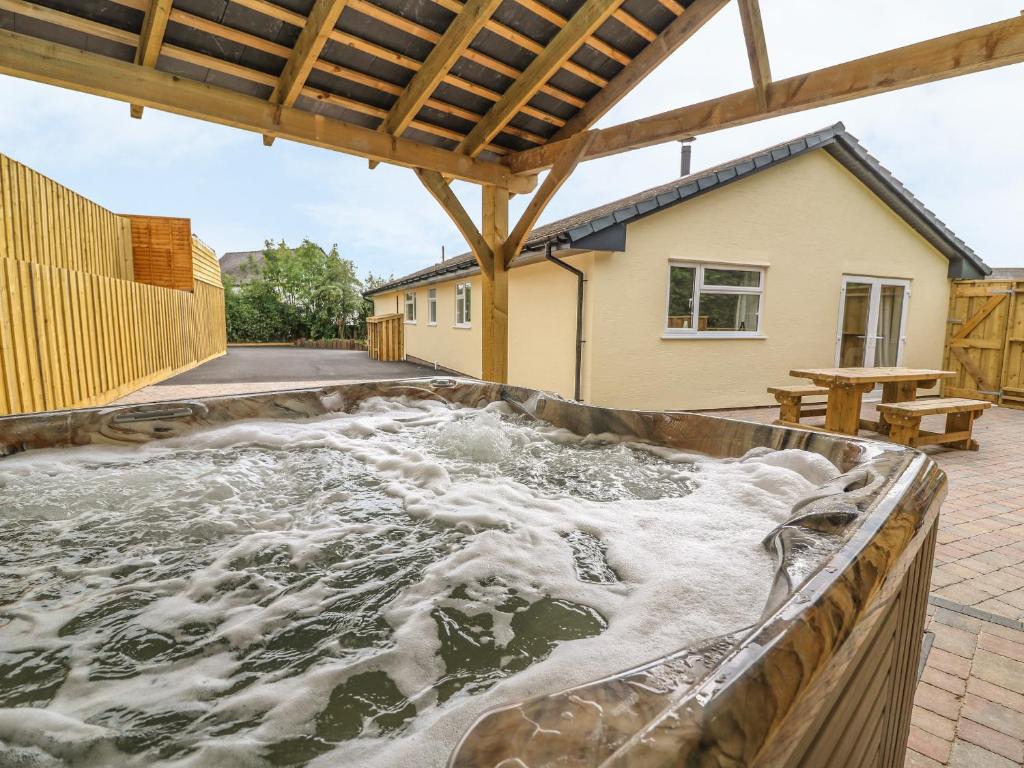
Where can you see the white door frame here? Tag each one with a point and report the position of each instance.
(874, 303)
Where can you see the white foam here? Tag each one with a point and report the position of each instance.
(270, 517)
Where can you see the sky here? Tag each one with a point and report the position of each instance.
(958, 144)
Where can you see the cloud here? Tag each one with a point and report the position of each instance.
(85, 131)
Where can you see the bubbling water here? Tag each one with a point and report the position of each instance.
(355, 590)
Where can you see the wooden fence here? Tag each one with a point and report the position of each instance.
(385, 338)
(985, 341)
(76, 327)
(162, 251)
(344, 344)
(46, 223)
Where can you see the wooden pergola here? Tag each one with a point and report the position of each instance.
(487, 91)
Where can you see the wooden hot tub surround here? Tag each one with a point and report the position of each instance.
(825, 677)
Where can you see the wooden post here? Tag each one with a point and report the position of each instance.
(904, 429)
(494, 347)
(962, 422)
(843, 410)
(897, 392)
(789, 408)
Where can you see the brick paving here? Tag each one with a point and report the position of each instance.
(969, 707)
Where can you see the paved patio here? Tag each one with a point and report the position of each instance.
(969, 709)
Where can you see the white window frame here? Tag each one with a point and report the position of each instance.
(698, 287)
(463, 289)
(410, 301)
(874, 302)
(432, 306)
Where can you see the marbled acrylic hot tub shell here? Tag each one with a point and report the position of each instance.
(826, 678)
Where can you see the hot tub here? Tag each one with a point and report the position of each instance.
(825, 676)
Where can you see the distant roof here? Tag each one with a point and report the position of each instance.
(1007, 273)
(237, 264)
(603, 227)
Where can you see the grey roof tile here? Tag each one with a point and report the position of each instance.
(835, 139)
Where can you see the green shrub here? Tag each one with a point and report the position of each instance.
(302, 292)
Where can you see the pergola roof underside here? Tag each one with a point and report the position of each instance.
(358, 77)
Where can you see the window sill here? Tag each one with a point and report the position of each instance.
(410, 322)
(432, 324)
(462, 326)
(704, 336)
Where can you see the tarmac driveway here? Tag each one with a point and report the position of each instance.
(292, 364)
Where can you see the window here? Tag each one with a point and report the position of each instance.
(432, 306)
(410, 307)
(714, 300)
(463, 303)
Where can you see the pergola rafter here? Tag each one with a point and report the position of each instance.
(757, 49)
(150, 40)
(681, 29)
(477, 90)
(33, 59)
(973, 50)
(446, 52)
(305, 52)
(587, 19)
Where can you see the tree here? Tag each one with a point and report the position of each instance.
(302, 292)
(366, 306)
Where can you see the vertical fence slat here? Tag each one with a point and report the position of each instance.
(75, 327)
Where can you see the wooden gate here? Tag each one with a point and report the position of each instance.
(385, 338)
(985, 341)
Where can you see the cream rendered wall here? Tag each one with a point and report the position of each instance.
(386, 304)
(542, 326)
(809, 221)
(455, 348)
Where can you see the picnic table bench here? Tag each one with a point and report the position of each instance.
(847, 387)
(905, 421)
(899, 413)
(791, 406)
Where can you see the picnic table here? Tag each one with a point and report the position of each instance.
(847, 386)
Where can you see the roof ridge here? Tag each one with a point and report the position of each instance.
(577, 227)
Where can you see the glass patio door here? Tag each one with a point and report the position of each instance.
(872, 322)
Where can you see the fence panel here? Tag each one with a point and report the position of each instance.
(46, 223)
(385, 338)
(985, 341)
(78, 326)
(69, 339)
(162, 249)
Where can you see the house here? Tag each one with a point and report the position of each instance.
(1007, 273)
(241, 266)
(702, 292)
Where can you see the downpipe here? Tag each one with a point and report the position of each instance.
(580, 280)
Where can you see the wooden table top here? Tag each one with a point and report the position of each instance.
(869, 375)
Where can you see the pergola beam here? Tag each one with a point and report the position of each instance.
(558, 175)
(757, 49)
(442, 193)
(676, 33)
(33, 59)
(314, 35)
(961, 53)
(152, 38)
(584, 22)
